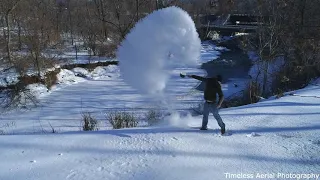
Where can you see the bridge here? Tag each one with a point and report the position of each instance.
(228, 24)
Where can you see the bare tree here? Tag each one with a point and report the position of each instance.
(101, 13)
(39, 32)
(8, 6)
(287, 29)
(266, 43)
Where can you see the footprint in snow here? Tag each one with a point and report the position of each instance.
(285, 135)
(174, 138)
(115, 174)
(100, 168)
(253, 134)
(33, 161)
(227, 133)
(71, 175)
(315, 142)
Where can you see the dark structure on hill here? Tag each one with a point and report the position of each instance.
(227, 25)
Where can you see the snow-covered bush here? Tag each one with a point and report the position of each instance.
(68, 77)
(153, 117)
(89, 123)
(81, 72)
(108, 50)
(51, 78)
(22, 96)
(123, 119)
(7, 128)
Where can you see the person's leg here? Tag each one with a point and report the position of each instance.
(205, 116)
(215, 112)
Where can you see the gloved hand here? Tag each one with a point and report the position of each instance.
(182, 75)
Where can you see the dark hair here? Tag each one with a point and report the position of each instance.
(219, 78)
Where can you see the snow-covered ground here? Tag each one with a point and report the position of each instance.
(74, 95)
(274, 136)
(210, 51)
(271, 137)
(101, 91)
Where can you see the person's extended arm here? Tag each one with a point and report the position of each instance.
(197, 77)
(221, 97)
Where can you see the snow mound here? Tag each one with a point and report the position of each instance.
(165, 39)
(98, 72)
(37, 90)
(253, 134)
(105, 71)
(112, 69)
(68, 77)
(81, 72)
(78, 74)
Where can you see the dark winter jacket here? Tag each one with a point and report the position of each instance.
(212, 88)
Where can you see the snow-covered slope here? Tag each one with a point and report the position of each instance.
(101, 91)
(274, 136)
(210, 52)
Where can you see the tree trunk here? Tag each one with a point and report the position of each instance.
(76, 48)
(137, 9)
(104, 24)
(265, 77)
(19, 36)
(37, 55)
(70, 23)
(8, 37)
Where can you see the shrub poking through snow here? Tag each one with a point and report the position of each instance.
(51, 78)
(20, 96)
(153, 117)
(279, 93)
(253, 91)
(7, 128)
(53, 130)
(120, 120)
(90, 123)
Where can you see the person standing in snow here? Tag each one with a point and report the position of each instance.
(212, 88)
